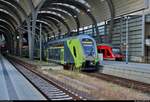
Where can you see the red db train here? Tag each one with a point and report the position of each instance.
(110, 53)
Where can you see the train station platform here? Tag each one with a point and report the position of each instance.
(40, 64)
(77, 81)
(135, 71)
(14, 86)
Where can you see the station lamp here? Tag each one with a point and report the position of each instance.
(75, 16)
(88, 10)
(18, 37)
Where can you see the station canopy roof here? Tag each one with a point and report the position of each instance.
(61, 16)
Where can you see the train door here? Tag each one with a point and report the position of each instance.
(76, 51)
(62, 56)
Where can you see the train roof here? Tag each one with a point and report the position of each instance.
(64, 39)
(104, 44)
(110, 45)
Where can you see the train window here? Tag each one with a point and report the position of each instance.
(99, 51)
(116, 50)
(87, 42)
(74, 51)
(88, 46)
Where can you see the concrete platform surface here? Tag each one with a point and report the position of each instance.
(14, 86)
(135, 71)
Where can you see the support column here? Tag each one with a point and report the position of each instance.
(12, 45)
(29, 38)
(15, 44)
(59, 31)
(40, 42)
(105, 33)
(143, 36)
(121, 32)
(31, 35)
(93, 30)
(34, 18)
(111, 24)
(20, 44)
(127, 42)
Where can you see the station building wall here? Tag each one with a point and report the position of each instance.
(135, 35)
(147, 36)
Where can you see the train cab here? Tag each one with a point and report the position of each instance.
(110, 53)
(117, 53)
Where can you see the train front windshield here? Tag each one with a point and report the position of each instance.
(116, 51)
(88, 46)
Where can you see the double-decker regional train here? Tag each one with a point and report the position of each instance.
(79, 52)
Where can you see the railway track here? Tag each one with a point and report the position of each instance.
(140, 86)
(48, 88)
(143, 87)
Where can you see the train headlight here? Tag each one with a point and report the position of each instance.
(91, 63)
